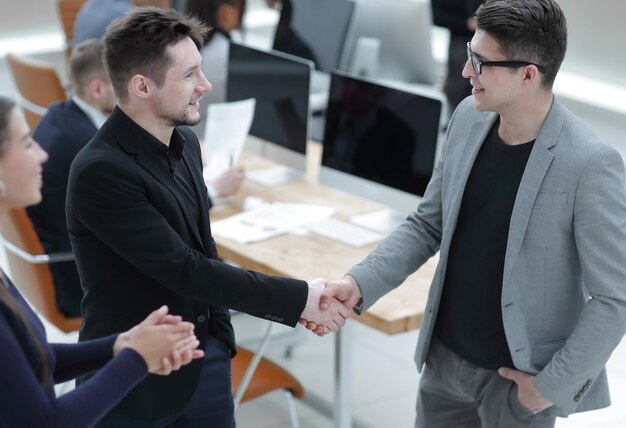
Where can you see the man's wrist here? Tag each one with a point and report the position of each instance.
(354, 285)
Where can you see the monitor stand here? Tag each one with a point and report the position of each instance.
(383, 221)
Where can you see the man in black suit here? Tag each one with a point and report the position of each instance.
(63, 132)
(137, 215)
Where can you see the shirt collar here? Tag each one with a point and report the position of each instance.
(173, 153)
(95, 115)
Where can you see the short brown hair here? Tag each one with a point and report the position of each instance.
(527, 30)
(85, 64)
(137, 42)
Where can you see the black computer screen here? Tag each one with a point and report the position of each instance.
(280, 84)
(381, 134)
(315, 30)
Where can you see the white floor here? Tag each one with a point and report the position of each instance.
(384, 382)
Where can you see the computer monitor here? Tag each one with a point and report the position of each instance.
(380, 133)
(402, 28)
(315, 30)
(280, 84)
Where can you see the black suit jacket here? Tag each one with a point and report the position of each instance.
(137, 247)
(62, 132)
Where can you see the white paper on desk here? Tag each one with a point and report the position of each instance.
(269, 220)
(225, 134)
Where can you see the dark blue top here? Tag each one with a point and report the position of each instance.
(62, 132)
(25, 403)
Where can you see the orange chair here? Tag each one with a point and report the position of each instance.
(254, 375)
(38, 85)
(29, 267)
(68, 9)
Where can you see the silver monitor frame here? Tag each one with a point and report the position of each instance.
(403, 28)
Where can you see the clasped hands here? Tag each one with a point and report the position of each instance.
(164, 341)
(329, 304)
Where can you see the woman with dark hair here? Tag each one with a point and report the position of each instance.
(221, 15)
(29, 365)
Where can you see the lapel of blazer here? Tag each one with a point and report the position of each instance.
(203, 197)
(539, 161)
(132, 138)
(459, 173)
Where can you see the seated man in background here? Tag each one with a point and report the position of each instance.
(64, 130)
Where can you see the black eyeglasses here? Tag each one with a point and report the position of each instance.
(478, 64)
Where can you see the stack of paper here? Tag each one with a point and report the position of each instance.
(269, 220)
(225, 134)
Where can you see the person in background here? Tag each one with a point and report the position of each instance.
(94, 16)
(64, 130)
(223, 16)
(29, 365)
(137, 216)
(527, 209)
(458, 17)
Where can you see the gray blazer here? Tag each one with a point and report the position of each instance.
(564, 286)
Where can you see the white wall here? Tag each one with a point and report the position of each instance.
(28, 16)
(597, 36)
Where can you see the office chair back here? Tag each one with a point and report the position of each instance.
(68, 10)
(29, 267)
(38, 85)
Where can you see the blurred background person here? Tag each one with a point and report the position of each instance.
(458, 17)
(64, 130)
(223, 16)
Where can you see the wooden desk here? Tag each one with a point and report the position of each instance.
(311, 256)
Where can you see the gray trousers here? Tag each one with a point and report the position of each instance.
(456, 393)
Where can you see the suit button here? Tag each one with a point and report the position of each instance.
(281, 319)
(201, 318)
(267, 316)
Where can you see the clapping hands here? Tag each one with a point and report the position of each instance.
(329, 305)
(164, 341)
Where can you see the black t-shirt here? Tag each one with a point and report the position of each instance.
(469, 321)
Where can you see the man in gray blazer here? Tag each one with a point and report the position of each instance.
(527, 209)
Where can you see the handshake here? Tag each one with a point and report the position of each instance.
(329, 304)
